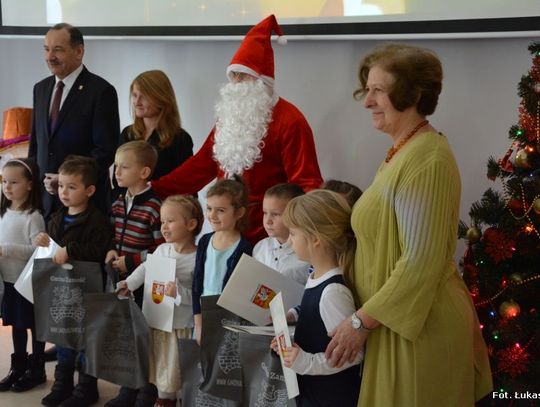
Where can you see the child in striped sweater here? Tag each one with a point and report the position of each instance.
(136, 222)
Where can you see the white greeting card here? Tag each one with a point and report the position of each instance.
(158, 308)
(283, 338)
(253, 285)
(24, 283)
(255, 330)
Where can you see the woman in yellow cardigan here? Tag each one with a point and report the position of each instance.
(423, 342)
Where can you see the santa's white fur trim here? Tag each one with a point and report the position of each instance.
(244, 69)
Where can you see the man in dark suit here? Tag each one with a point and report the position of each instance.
(75, 112)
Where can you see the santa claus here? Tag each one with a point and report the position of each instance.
(258, 135)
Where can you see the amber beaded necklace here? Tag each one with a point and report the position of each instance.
(394, 149)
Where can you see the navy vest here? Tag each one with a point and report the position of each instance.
(340, 389)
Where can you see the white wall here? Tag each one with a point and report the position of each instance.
(477, 107)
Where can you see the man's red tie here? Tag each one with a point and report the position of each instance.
(55, 109)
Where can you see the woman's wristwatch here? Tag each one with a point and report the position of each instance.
(357, 323)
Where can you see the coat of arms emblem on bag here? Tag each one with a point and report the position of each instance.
(67, 303)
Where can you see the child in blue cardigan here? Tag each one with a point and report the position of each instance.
(219, 251)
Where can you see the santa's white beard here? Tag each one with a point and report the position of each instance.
(243, 113)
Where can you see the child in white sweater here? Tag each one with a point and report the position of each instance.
(275, 251)
(181, 221)
(20, 223)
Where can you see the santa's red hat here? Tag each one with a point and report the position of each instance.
(255, 55)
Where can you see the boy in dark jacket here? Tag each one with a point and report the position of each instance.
(82, 233)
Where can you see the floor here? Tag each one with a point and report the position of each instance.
(33, 397)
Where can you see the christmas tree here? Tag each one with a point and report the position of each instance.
(501, 265)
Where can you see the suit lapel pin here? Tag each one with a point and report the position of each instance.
(81, 87)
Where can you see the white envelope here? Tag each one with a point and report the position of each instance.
(283, 338)
(158, 308)
(255, 330)
(252, 286)
(24, 283)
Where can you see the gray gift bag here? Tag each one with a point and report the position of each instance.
(191, 373)
(58, 299)
(116, 340)
(221, 369)
(264, 383)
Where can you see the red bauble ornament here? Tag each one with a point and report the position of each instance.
(509, 309)
(516, 207)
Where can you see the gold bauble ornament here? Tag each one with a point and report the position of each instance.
(536, 205)
(516, 278)
(509, 309)
(473, 234)
(522, 159)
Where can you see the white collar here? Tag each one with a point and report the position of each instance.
(71, 78)
(129, 196)
(314, 282)
(286, 247)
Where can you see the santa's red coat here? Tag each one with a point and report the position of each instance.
(288, 155)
